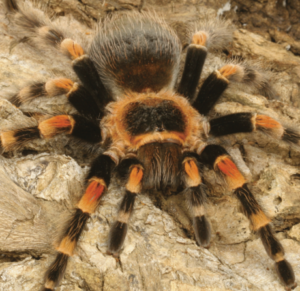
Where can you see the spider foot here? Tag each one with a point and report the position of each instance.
(202, 230)
(116, 237)
(286, 274)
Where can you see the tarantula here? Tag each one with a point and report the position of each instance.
(153, 136)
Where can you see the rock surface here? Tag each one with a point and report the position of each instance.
(41, 182)
(276, 20)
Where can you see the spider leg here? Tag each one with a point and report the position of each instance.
(210, 92)
(217, 157)
(210, 36)
(98, 181)
(196, 196)
(249, 122)
(39, 30)
(195, 58)
(77, 95)
(41, 33)
(85, 69)
(118, 230)
(217, 82)
(74, 125)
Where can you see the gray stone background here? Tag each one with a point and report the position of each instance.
(41, 182)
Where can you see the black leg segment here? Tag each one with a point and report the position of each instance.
(88, 75)
(195, 57)
(286, 274)
(86, 129)
(211, 153)
(102, 167)
(210, 92)
(84, 102)
(233, 123)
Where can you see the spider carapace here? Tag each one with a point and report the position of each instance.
(153, 135)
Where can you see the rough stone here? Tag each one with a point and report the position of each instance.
(277, 21)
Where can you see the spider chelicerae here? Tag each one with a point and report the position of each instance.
(154, 136)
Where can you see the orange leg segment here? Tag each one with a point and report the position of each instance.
(90, 200)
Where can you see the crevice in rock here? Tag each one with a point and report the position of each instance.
(19, 256)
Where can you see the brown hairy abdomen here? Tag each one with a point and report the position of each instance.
(142, 74)
(141, 54)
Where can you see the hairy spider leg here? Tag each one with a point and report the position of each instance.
(217, 82)
(74, 125)
(217, 157)
(132, 169)
(194, 61)
(76, 93)
(43, 33)
(250, 122)
(98, 181)
(85, 69)
(196, 197)
(210, 92)
(213, 86)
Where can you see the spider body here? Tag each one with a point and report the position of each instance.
(153, 134)
(157, 127)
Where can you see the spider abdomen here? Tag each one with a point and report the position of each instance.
(136, 52)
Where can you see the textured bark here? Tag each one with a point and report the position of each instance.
(41, 182)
